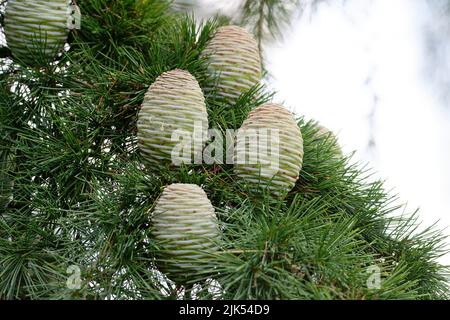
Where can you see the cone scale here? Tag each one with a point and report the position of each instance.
(276, 170)
(185, 229)
(233, 56)
(174, 104)
(36, 28)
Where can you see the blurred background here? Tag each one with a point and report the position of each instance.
(377, 72)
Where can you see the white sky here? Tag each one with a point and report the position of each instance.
(321, 71)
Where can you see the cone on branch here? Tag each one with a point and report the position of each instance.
(173, 110)
(186, 231)
(269, 150)
(36, 29)
(324, 133)
(233, 56)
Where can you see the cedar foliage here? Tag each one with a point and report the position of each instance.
(75, 192)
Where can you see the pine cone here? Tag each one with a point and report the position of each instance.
(324, 133)
(233, 55)
(36, 28)
(174, 103)
(186, 230)
(278, 168)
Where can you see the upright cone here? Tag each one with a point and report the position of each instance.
(36, 28)
(173, 120)
(324, 133)
(234, 57)
(186, 231)
(269, 150)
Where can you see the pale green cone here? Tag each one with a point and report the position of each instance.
(233, 55)
(278, 168)
(186, 232)
(7, 164)
(36, 27)
(174, 104)
(324, 133)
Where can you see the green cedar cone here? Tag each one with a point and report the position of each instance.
(278, 168)
(186, 231)
(234, 57)
(36, 28)
(174, 103)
